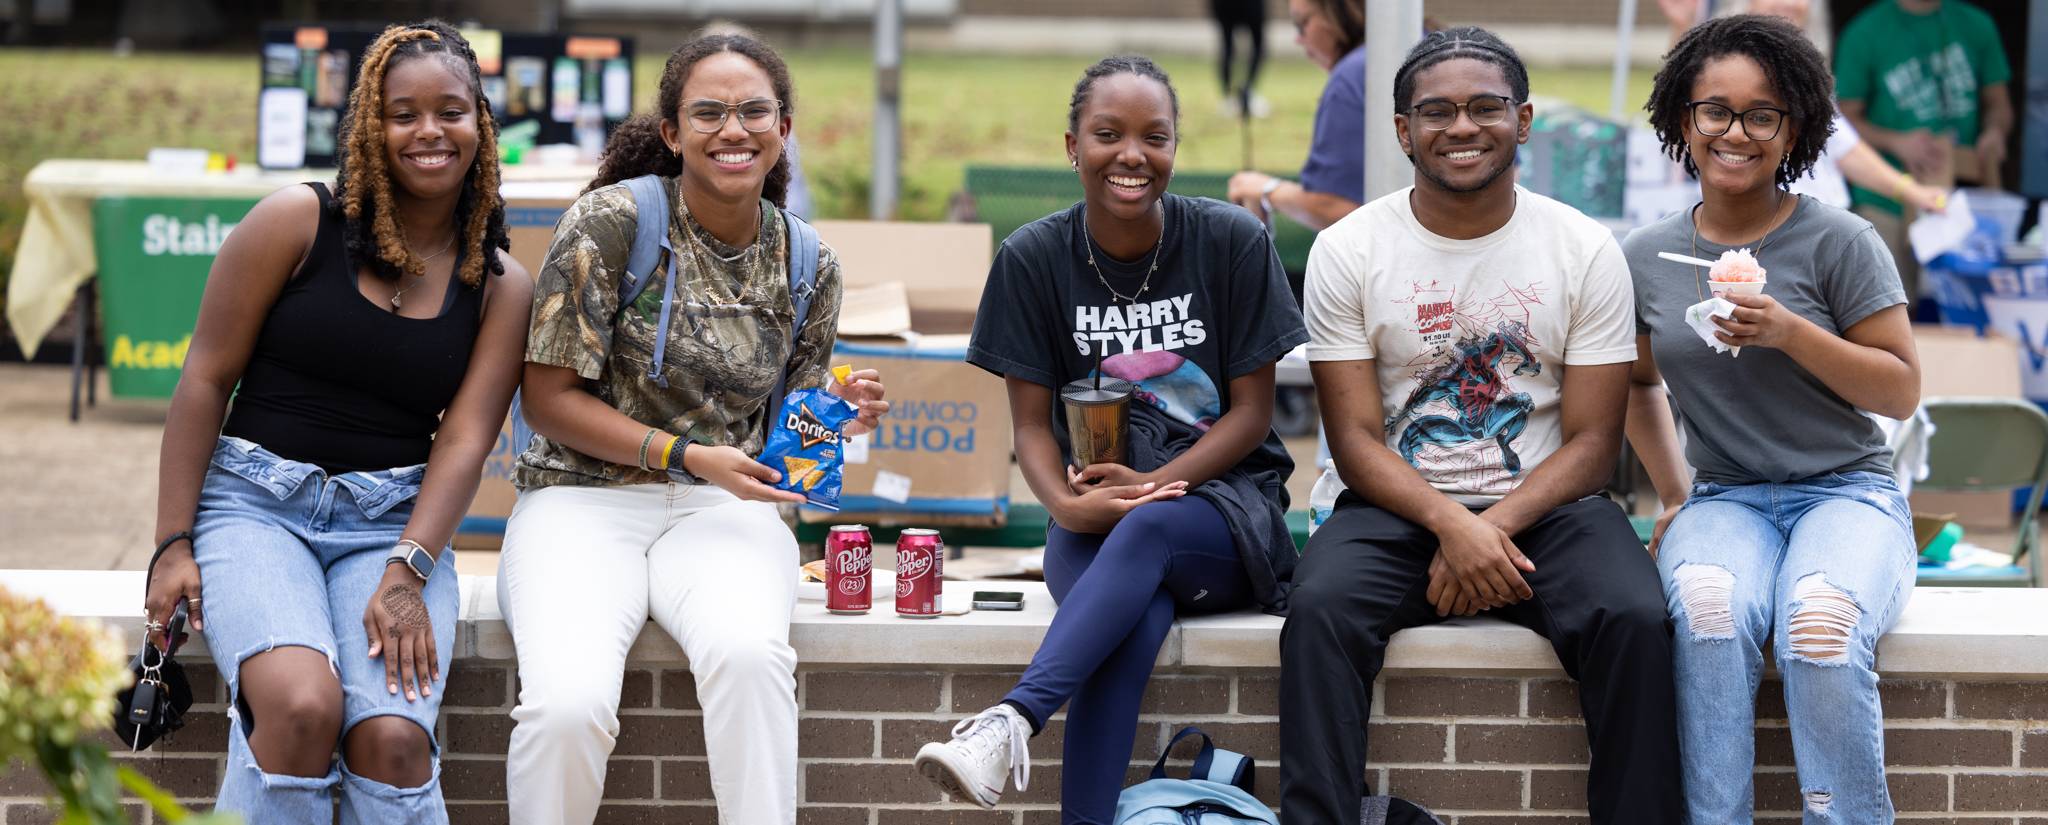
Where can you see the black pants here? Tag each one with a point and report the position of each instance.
(1365, 576)
(1250, 17)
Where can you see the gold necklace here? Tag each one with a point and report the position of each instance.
(395, 296)
(1699, 281)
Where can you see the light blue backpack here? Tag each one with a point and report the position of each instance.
(649, 239)
(1218, 791)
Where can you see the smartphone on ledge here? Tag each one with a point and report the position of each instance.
(998, 600)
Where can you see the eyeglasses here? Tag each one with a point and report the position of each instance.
(1714, 120)
(1484, 110)
(756, 114)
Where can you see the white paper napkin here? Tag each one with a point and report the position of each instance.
(1700, 317)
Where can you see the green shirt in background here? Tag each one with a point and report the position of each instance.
(1918, 71)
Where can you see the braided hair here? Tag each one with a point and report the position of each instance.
(1136, 64)
(636, 147)
(362, 184)
(1793, 67)
(1463, 42)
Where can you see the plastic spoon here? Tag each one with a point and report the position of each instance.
(1684, 259)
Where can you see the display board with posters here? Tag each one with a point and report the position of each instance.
(572, 89)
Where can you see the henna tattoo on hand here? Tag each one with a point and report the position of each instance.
(402, 602)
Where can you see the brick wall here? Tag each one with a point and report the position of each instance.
(1480, 751)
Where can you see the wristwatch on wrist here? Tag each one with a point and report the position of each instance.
(413, 556)
(676, 473)
(1266, 194)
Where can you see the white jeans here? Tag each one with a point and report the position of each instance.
(582, 570)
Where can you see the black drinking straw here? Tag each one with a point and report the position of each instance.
(1099, 346)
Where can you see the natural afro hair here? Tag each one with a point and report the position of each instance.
(1467, 42)
(362, 184)
(1136, 64)
(1793, 67)
(636, 147)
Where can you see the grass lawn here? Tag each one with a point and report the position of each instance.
(958, 109)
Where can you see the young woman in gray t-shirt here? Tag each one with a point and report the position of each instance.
(1793, 531)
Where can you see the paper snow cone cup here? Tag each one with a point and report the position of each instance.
(1723, 289)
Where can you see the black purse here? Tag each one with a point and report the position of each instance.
(154, 705)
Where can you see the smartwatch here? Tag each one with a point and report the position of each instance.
(1266, 195)
(675, 470)
(413, 556)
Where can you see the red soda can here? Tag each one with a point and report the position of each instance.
(849, 560)
(920, 561)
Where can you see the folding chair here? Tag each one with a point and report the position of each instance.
(1989, 444)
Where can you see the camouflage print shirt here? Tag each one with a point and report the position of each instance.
(728, 337)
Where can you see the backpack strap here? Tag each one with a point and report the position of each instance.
(803, 285)
(1211, 763)
(650, 237)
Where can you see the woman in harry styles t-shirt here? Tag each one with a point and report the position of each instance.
(1184, 298)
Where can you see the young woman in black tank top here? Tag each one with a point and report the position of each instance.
(371, 339)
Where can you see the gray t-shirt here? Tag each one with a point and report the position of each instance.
(1761, 417)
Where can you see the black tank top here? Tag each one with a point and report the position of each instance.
(337, 381)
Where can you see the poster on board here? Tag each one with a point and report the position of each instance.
(574, 89)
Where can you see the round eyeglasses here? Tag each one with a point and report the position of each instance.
(756, 114)
(1714, 120)
(1484, 110)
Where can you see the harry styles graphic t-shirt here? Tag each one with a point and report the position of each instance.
(1216, 308)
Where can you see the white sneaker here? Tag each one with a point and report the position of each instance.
(984, 748)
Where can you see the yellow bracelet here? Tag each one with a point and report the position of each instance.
(1905, 183)
(668, 451)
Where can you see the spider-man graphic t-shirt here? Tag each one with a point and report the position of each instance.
(1470, 338)
(1216, 307)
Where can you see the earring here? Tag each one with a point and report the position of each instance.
(1074, 164)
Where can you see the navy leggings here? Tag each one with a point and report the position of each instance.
(1118, 595)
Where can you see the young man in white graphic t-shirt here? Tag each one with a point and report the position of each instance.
(1471, 343)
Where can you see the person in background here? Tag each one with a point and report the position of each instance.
(1332, 183)
(1925, 81)
(1248, 16)
(369, 337)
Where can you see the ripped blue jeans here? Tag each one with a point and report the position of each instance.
(289, 555)
(1820, 568)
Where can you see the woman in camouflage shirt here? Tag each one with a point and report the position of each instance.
(641, 496)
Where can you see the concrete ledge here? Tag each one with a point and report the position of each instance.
(1960, 632)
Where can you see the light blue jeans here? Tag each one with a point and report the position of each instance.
(289, 555)
(1820, 568)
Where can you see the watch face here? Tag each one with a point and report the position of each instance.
(421, 562)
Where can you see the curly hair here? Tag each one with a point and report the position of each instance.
(636, 147)
(362, 183)
(1792, 66)
(1136, 64)
(1463, 42)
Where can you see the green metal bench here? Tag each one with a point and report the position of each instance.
(1007, 197)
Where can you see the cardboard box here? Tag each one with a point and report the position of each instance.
(942, 455)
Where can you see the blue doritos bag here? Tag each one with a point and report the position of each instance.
(804, 445)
